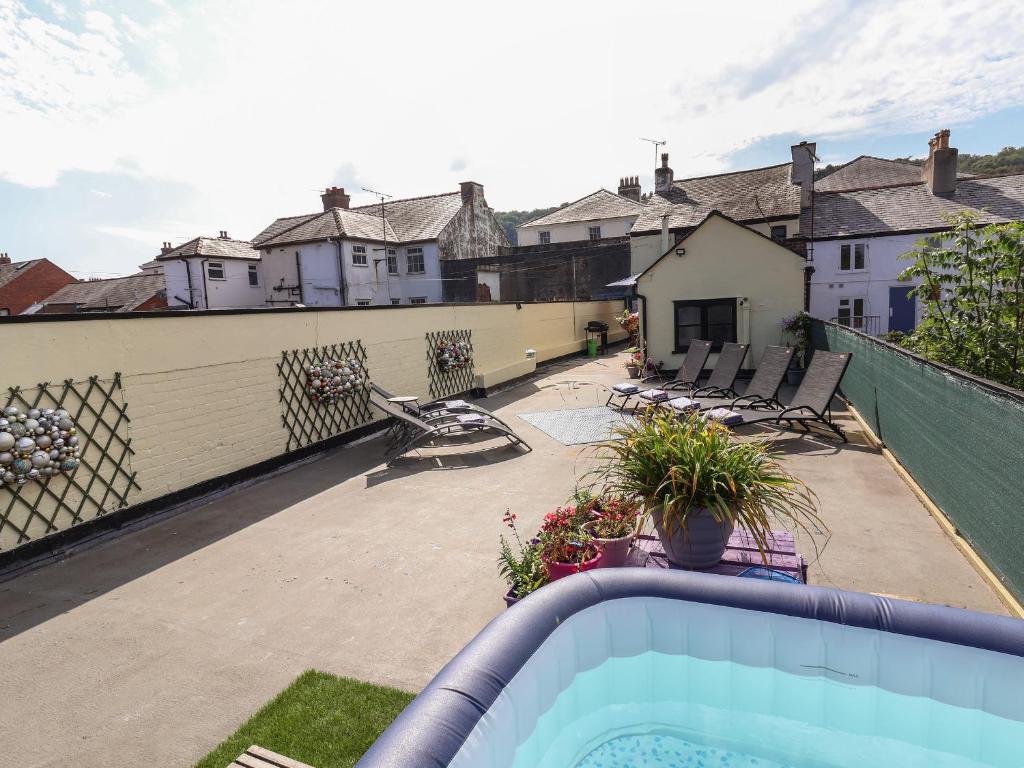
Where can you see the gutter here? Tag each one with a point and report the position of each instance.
(298, 270)
(206, 290)
(341, 269)
(188, 277)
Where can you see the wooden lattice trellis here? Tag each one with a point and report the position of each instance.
(102, 481)
(454, 381)
(310, 422)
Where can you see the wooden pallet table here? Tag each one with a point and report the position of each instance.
(740, 553)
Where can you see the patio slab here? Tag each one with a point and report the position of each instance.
(150, 648)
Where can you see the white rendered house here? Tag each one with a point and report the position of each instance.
(212, 273)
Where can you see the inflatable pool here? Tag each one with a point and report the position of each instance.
(635, 667)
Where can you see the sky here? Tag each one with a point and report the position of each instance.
(125, 123)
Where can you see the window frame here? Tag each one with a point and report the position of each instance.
(418, 300)
(395, 302)
(774, 235)
(361, 251)
(544, 237)
(415, 251)
(254, 272)
(592, 230)
(391, 257)
(219, 266)
(851, 257)
(855, 321)
(704, 305)
(363, 302)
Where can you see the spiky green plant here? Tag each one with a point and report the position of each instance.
(679, 466)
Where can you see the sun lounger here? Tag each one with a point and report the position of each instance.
(692, 365)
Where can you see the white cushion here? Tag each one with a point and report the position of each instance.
(724, 416)
(683, 405)
(456, 404)
(655, 395)
(626, 389)
(471, 418)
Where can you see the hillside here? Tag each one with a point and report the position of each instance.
(509, 220)
(1006, 160)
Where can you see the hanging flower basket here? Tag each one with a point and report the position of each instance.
(452, 355)
(333, 380)
(37, 444)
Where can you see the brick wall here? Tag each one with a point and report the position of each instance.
(202, 389)
(36, 282)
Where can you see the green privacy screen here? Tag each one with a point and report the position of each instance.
(960, 437)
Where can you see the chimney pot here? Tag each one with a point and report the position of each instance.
(470, 191)
(335, 197)
(663, 176)
(940, 169)
(4, 258)
(629, 187)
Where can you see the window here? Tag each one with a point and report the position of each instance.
(414, 262)
(594, 233)
(545, 238)
(418, 300)
(215, 270)
(359, 255)
(362, 302)
(5, 312)
(392, 262)
(851, 313)
(851, 256)
(779, 232)
(396, 301)
(711, 319)
(254, 276)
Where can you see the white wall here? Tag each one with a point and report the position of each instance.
(578, 230)
(234, 292)
(883, 263)
(321, 285)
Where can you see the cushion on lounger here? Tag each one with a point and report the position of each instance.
(456, 404)
(724, 416)
(471, 418)
(655, 395)
(626, 389)
(684, 405)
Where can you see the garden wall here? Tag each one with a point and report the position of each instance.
(201, 392)
(960, 437)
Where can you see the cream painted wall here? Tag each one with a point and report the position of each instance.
(202, 390)
(724, 260)
(576, 230)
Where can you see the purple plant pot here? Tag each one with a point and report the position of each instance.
(511, 599)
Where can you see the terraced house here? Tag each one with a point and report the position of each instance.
(374, 254)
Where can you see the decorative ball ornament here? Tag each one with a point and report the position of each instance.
(37, 444)
(333, 380)
(453, 355)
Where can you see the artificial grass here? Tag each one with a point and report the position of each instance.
(320, 719)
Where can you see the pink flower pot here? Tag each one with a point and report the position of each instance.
(615, 552)
(558, 570)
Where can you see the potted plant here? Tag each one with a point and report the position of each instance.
(697, 484)
(634, 362)
(524, 570)
(799, 327)
(630, 323)
(565, 546)
(614, 526)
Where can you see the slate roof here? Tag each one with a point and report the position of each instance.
(409, 220)
(15, 269)
(213, 247)
(598, 205)
(121, 293)
(912, 207)
(746, 196)
(868, 171)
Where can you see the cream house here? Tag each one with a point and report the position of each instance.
(722, 281)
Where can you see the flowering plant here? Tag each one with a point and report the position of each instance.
(630, 321)
(563, 538)
(452, 355)
(614, 518)
(799, 325)
(330, 381)
(523, 571)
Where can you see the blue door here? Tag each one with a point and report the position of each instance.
(902, 309)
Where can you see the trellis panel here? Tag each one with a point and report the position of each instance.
(451, 382)
(310, 422)
(100, 484)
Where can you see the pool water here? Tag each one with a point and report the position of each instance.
(656, 709)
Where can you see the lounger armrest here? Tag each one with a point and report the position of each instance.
(795, 408)
(714, 391)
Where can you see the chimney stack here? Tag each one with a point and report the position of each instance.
(939, 171)
(4, 258)
(804, 155)
(335, 197)
(223, 234)
(470, 191)
(629, 186)
(165, 248)
(663, 177)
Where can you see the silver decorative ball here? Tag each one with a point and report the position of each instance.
(7, 441)
(25, 445)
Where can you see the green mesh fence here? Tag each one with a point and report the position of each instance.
(961, 438)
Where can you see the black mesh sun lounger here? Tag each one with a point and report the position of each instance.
(688, 373)
(417, 431)
(761, 392)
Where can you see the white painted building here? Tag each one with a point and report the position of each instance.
(357, 257)
(597, 216)
(212, 273)
(870, 213)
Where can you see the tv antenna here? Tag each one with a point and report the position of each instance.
(657, 143)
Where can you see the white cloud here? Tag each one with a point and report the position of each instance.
(256, 106)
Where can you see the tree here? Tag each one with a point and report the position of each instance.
(509, 220)
(972, 288)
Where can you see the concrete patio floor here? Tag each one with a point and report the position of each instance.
(152, 647)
